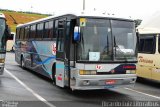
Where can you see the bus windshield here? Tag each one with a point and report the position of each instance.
(107, 40)
(2, 35)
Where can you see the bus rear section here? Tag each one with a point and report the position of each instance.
(4, 34)
(149, 54)
(83, 53)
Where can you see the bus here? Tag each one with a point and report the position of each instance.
(149, 53)
(4, 36)
(79, 51)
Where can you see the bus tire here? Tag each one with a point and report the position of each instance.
(54, 73)
(22, 62)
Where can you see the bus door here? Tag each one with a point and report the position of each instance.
(60, 53)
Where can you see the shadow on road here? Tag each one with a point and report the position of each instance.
(152, 83)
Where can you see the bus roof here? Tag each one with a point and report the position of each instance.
(2, 15)
(149, 30)
(82, 14)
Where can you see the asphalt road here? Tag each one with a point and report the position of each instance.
(24, 88)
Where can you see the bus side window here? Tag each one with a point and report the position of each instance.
(60, 41)
(60, 36)
(46, 31)
(26, 33)
(55, 29)
(159, 44)
(147, 44)
(17, 33)
(50, 29)
(39, 33)
(32, 31)
(22, 34)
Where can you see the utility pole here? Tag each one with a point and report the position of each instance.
(83, 5)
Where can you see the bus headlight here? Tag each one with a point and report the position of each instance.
(130, 71)
(87, 72)
(2, 60)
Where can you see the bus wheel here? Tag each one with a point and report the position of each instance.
(54, 73)
(22, 62)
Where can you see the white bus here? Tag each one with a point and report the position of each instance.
(82, 52)
(4, 35)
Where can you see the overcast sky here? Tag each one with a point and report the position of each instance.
(135, 8)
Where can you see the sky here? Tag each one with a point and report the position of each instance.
(136, 9)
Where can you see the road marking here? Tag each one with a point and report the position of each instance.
(143, 93)
(30, 90)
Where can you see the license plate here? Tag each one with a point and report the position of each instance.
(109, 82)
(108, 86)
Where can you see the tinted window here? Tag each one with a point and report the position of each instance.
(22, 33)
(55, 28)
(147, 44)
(26, 33)
(39, 33)
(125, 40)
(60, 36)
(48, 30)
(32, 31)
(95, 38)
(159, 44)
(17, 33)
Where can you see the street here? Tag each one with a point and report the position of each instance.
(24, 88)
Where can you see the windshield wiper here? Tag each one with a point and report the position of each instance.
(115, 45)
(107, 45)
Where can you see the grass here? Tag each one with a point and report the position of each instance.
(15, 18)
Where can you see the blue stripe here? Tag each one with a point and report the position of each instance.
(47, 60)
(59, 65)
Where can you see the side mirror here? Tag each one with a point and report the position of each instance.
(137, 22)
(76, 37)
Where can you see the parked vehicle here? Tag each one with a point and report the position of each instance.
(4, 36)
(82, 52)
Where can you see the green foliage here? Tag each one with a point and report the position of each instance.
(19, 17)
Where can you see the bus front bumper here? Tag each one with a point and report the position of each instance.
(1, 68)
(103, 81)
